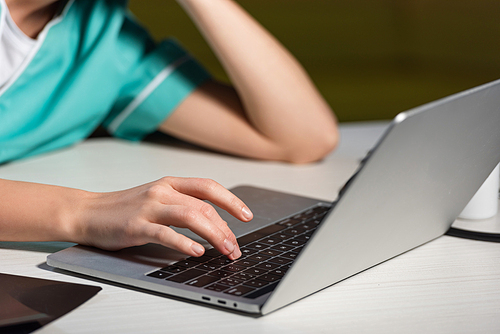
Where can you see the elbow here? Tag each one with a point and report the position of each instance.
(313, 149)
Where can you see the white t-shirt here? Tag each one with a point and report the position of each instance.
(14, 45)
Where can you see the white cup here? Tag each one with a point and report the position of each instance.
(484, 204)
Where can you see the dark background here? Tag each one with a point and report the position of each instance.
(370, 58)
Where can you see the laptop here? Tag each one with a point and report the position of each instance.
(407, 191)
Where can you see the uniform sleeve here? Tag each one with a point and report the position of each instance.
(161, 76)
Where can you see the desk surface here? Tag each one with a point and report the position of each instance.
(449, 285)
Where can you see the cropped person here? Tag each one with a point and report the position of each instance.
(69, 66)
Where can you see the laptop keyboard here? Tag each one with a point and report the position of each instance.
(266, 256)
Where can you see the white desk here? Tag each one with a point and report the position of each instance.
(449, 285)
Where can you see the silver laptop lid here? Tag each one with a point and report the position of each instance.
(416, 181)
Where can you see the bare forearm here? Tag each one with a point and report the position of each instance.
(36, 212)
(278, 96)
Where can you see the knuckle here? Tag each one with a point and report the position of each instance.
(168, 237)
(157, 233)
(209, 184)
(166, 180)
(156, 191)
(208, 211)
(216, 237)
(190, 216)
(161, 233)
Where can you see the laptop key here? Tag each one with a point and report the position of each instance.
(286, 267)
(257, 245)
(233, 268)
(231, 281)
(201, 259)
(247, 251)
(294, 242)
(270, 252)
(259, 257)
(173, 269)
(159, 274)
(303, 237)
(208, 267)
(270, 241)
(293, 231)
(278, 272)
(282, 236)
(269, 277)
(256, 283)
(290, 255)
(203, 280)
(220, 273)
(321, 209)
(298, 249)
(244, 276)
(283, 248)
(263, 232)
(267, 266)
(309, 214)
(217, 287)
(188, 263)
(306, 226)
(246, 263)
(222, 261)
(280, 260)
(255, 271)
(301, 216)
(289, 222)
(307, 235)
(320, 216)
(315, 221)
(186, 276)
(239, 290)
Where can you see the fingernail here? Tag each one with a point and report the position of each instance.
(198, 249)
(237, 253)
(229, 246)
(247, 213)
(234, 255)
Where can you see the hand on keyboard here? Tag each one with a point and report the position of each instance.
(143, 215)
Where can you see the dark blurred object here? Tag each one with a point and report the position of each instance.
(27, 304)
(100, 132)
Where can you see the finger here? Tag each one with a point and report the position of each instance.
(191, 218)
(208, 211)
(167, 237)
(207, 189)
(167, 195)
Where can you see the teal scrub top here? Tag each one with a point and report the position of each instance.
(92, 65)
